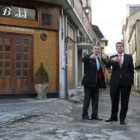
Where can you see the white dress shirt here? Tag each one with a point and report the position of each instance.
(98, 64)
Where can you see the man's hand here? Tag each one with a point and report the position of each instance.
(94, 56)
(116, 59)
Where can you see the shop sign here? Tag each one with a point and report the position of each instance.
(17, 12)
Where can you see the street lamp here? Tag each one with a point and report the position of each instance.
(87, 9)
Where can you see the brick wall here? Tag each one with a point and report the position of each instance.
(80, 11)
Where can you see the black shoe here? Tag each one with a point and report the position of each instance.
(111, 120)
(85, 117)
(96, 118)
(122, 122)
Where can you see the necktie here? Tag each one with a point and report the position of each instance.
(120, 61)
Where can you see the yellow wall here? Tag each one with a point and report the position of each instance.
(44, 51)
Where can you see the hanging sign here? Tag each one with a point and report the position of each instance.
(17, 12)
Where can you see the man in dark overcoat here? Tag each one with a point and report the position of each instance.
(93, 79)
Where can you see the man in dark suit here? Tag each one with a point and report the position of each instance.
(120, 82)
(93, 79)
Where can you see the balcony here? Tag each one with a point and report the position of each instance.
(82, 39)
(84, 43)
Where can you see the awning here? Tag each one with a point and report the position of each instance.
(84, 46)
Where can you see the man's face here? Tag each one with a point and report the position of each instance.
(96, 50)
(120, 48)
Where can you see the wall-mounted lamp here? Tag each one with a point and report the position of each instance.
(101, 46)
(87, 9)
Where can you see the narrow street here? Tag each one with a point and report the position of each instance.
(58, 119)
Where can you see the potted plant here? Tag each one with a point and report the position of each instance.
(41, 82)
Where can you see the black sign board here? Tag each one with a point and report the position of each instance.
(17, 12)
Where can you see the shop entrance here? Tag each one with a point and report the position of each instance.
(16, 63)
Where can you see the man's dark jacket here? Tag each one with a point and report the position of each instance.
(91, 77)
(126, 71)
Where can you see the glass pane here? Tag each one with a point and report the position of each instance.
(0, 64)
(26, 42)
(7, 56)
(25, 49)
(7, 64)
(18, 73)
(0, 47)
(18, 49)
(7, 48)
(0, 72)
(7, 41)
(18, 57)
(71, 66)
(1, 56)
(25, 73)
(0, 40)
(18, 41)
(25, 65)
(25, 57)
(18, 65)
(7, 72)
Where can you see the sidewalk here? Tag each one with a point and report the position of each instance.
(59, 119)
(15, 109)
(12, 110)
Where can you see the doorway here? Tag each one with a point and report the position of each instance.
(16, 63)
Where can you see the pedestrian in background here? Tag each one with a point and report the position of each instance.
(120, 83)
(93, 79)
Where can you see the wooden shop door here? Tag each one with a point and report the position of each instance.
(16, 65)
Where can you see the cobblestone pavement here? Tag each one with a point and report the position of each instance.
(59, 119)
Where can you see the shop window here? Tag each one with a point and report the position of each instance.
(70, 32)
(71, 64)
